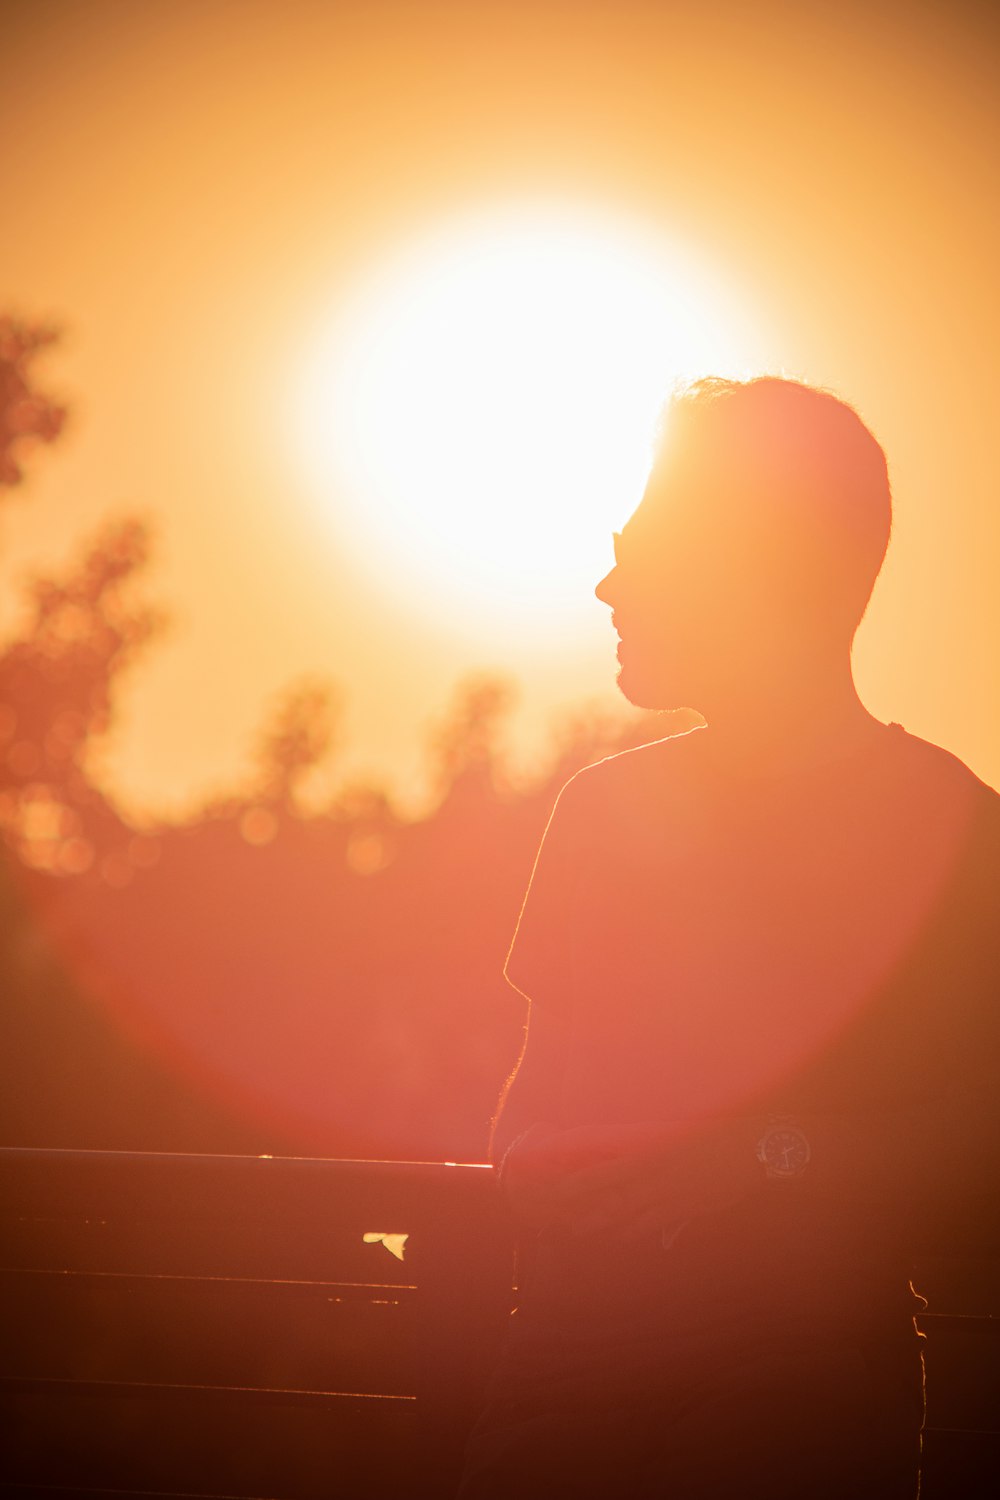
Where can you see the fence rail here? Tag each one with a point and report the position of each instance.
(298, 1328)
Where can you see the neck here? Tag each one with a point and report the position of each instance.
(770, 727)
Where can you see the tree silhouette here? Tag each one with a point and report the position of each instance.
(27, 415)
(57, 682)
(296, 740)
(466, 750)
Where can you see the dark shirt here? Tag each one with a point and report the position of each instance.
(823, 942)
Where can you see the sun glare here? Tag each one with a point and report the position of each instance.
(476, 419)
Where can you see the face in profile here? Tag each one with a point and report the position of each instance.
(694, 596)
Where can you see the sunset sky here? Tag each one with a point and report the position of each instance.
(366, 306)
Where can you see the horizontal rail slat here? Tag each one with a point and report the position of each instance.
(297, 1446)
(265, 1218)
(122, 1185)
(186, 1391)
(154, 1330)
(959, 1284)
(282, 1250)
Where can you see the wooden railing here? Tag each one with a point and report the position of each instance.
(255, 1326)
(233, 1325)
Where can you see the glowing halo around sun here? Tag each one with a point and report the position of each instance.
(476, 418)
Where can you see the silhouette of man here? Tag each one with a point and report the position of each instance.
(761, 962)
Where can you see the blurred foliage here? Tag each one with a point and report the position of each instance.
(56, 682)
(262, 976)
(27, 415)
(296, 740)
(467, 747)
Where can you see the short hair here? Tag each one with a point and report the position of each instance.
(801, 465)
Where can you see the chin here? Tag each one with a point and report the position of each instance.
(646, 689)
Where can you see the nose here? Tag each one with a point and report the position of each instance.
(603, 591)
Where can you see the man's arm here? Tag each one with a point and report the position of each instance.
(529, 1139)
(531, 1096)
(540, 967)
(936, 1167)
(941, 1159)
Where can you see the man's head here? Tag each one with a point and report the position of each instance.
(756, 545)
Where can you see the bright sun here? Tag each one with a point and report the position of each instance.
(477, 418)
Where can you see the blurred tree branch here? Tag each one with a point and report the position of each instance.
(467, 748)
(27, 415)
(56, 693)
(297, 738)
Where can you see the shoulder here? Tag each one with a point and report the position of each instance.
(937, 773)
(628, 773)
(958, 812)
(634, 782)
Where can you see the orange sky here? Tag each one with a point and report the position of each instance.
(187, 186)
